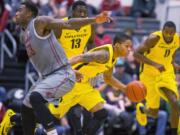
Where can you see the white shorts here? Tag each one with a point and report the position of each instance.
(53, 86)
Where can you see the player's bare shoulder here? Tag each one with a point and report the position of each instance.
(152, 40)
(41, 21)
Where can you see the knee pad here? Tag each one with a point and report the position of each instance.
(35, 98)
(101, 114)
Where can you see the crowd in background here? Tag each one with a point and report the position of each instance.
(121, 109)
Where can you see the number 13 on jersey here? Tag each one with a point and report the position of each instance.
(76, 43)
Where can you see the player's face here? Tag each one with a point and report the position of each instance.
(124, 48)
(168, 34)
(21, 14)
(80, 12)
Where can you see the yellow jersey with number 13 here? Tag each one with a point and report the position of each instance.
(161, 53)
(74, 41)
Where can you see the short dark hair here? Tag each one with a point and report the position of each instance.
(78, 3)
(119, 38)
(32, 7)
(169, 24)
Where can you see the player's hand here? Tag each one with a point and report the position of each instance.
(160, 67)
(123, 88)
(79, 75)
(103, 17)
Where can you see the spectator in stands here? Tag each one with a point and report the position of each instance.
(130, 32)
(110, 5)
(101, 38)
(56, 3)
(44, 7)
(92, 11)
(116, 106)
(143, 8)
(131, 66)
(118, 12)
(120, 73)
(62, 12)
(5, 9)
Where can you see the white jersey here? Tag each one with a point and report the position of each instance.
(45, 53)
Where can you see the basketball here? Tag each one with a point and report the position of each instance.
(136, 91)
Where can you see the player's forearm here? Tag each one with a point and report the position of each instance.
(115, 83)
(77, 23)
(84, 58)
(141, 58)
(74, 60)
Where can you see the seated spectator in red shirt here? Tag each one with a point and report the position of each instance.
(110, 5)
(4, 14)
(101, 38)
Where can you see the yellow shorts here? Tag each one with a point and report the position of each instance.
(86, 99)
(153, 85)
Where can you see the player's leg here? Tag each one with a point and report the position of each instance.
(167, 88)
(87, 117)
(94, 103)
(99, 116)
(28, 120)
(42, 113)
(68, 105)
(174, 115)
(74, 119)
(47, 90)
(152, 101)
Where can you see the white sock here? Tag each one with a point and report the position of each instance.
(52, 132)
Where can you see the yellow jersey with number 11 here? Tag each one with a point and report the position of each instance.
(161, 53)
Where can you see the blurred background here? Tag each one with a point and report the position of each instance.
(137, 18)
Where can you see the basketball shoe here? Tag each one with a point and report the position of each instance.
(6, 124)
(141, 117)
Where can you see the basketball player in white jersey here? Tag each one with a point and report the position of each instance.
(49, 59)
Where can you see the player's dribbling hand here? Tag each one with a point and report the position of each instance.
(79, 76)
(160, 67)
(103, 17)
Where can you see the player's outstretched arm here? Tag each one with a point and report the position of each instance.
(111, 80)
(101, 56)
(49, 23)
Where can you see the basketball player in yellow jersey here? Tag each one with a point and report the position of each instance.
(100, 60)
(75, 42)
(157, 73)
